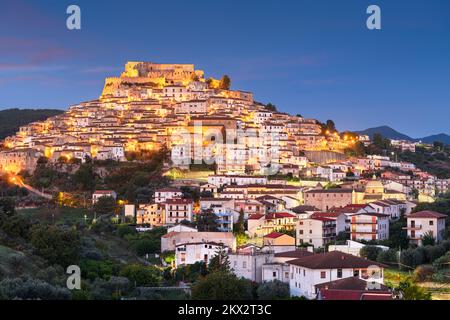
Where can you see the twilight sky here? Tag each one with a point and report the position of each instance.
(316, 58)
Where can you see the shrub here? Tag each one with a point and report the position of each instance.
(423, 273)
(388, 256)
(222, 286)
(273, 290)
(31, 289)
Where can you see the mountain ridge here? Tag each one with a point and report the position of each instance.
(391, 133)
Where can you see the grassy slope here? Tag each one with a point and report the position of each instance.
(439, 291)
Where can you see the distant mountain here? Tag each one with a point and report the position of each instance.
(12, 119)
(388, 132)
(442, 137)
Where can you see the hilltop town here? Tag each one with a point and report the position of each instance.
(282, 198)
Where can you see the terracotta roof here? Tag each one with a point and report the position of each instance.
(279, 215)
(330, 215)
(427, 214)
(103, 191)
(274, 235)
(351, 283)
(255, 216)
(333, 260)
(170, 234)
(179, 201)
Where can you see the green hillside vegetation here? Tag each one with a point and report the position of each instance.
(12, 119)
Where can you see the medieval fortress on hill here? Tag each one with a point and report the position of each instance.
(152, 105)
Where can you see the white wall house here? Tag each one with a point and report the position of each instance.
(178, 210)
(161, 195)
(248, 264)
(369, 226)
(103, 193)
(317, 231)
(190, 253)
(307, 272)
(425, 222)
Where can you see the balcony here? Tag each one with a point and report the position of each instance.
(416, 227)
(364, 221)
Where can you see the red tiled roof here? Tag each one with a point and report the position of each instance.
(333, 260)
(427, 214)
(170, 234)
(179, 201)
(330, 215)
(279, 215)
(103, 191)
(274, 235)
(255, 216)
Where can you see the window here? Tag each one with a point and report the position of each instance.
(274, 274)
(431, 222)
(339, 273)
(356, 273)
(244, 264)
(300, 231)
(323, 274)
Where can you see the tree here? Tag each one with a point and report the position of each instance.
(141, 276)
(7, 207)
(423, 273)
(271, 107)
(239, 226)
(273, 290)
(56, 244)
(222, 286)
(370, 252)
(389, 256)
(428, 239)
(31, 289)
(220, 262)
(207, 221)
(106, 205)
(438, 146)
(330, 126)
(225, 83)
(411, 291)
(85, 177)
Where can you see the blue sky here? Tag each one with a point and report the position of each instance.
(316, 58)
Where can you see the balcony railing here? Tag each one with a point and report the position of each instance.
(364, 221)
(416, 227)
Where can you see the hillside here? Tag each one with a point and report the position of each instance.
(12, 119)
(388, 132)
(442, 137)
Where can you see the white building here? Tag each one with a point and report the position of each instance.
(248, 263)
(351, 247)
(190, 253)
(369, 226)
(178, 210)
(221, 180)
(425, 222)
(307, 272)
(103, 193)
(317, 231)
(161, 195)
